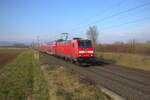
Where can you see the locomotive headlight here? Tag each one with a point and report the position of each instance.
(81, 51)
(90, 51)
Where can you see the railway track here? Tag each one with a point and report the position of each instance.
(130, 84)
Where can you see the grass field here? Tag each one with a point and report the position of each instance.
(22, 79)
(24, 76)
(128, 60)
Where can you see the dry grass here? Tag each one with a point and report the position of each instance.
(129, 60)
(65, 85)
(131, 47)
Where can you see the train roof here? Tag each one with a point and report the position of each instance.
(64, 41)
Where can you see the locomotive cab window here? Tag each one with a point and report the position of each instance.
(84, 44)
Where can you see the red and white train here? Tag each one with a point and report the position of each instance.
(76, 50)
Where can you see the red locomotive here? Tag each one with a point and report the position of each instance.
(77, 50)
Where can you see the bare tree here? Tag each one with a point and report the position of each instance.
(92, 34)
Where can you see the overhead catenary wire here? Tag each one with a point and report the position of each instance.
(114, 15)
(126, 23)
(106, 10)
(116, 5)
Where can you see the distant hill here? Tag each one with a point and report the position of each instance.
(12, 44)
(7, 43)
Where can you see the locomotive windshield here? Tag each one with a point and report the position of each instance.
(84, 44)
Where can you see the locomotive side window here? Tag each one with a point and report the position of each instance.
(84, 44)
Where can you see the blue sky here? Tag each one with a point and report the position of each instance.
(24, 20)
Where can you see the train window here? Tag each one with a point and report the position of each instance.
(49, 43)
(84, 44)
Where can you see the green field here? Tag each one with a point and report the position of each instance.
(127, 60)
(22, 79)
